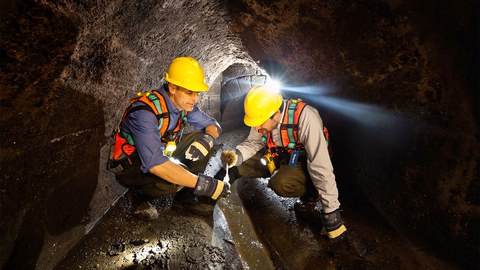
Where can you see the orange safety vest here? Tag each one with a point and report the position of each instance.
(155, 103)
(289, 129)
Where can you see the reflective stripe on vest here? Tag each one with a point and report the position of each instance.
(155, 103)
(289, 128)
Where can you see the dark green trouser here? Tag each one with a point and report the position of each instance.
(154, 186)
(285, 182)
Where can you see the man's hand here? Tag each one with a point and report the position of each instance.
(332, 224)
(229, 158)
(208, 186)
(200, 147)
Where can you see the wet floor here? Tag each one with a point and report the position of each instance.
(177, 240)
(251, 229)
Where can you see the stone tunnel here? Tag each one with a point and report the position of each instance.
(396, 82)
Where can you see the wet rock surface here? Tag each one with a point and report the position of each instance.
(396, 82)
(68, 71)
(177, 240)
(296, 240)
(388, 78)
(279, 238)
(181, 240)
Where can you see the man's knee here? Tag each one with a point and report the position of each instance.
(285, 188)
(156, 190)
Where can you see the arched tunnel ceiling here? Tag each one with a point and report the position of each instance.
(395, 81)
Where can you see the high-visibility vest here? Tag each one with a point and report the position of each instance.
(153, 102)
(289, 128)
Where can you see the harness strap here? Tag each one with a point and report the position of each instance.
(160, 110)
(127, 135)
(182, 121)
(291, 125)
(122, 163)
(183, 115)
(289, 129)
(156, 102)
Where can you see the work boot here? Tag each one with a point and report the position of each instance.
(201, 208)
(145, 211)
(198, 205)
(300, 206)
(141, 207)
(305, 204)
(333, 226)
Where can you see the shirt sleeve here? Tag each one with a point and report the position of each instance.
(200, 120)
(319, 165)
(143, 127)
(252, 144)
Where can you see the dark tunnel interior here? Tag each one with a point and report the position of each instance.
(395, 82)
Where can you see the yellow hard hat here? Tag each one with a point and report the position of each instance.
(260, 104)
(186, 72)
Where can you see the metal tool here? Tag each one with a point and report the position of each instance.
(227, 177)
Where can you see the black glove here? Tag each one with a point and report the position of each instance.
(333, 224)
(208, 186)
(200, 147)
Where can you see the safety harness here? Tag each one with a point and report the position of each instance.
(292, 149)
(289, 134)
(124, 152)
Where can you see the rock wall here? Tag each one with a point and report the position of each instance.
(69, 69)
(396, 82)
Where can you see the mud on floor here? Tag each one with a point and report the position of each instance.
(251, 229)
(177, 240)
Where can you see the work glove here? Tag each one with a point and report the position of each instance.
(200, 147)
(229, 158)
(208, 186)
(332, 224)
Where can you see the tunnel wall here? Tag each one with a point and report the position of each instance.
(237, 79)
(397, 85)
(69, 69)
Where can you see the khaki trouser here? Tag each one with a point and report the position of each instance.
(153, 186)
(285, 182)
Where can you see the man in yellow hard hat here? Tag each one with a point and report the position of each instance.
(289, 138)
(152, 156)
